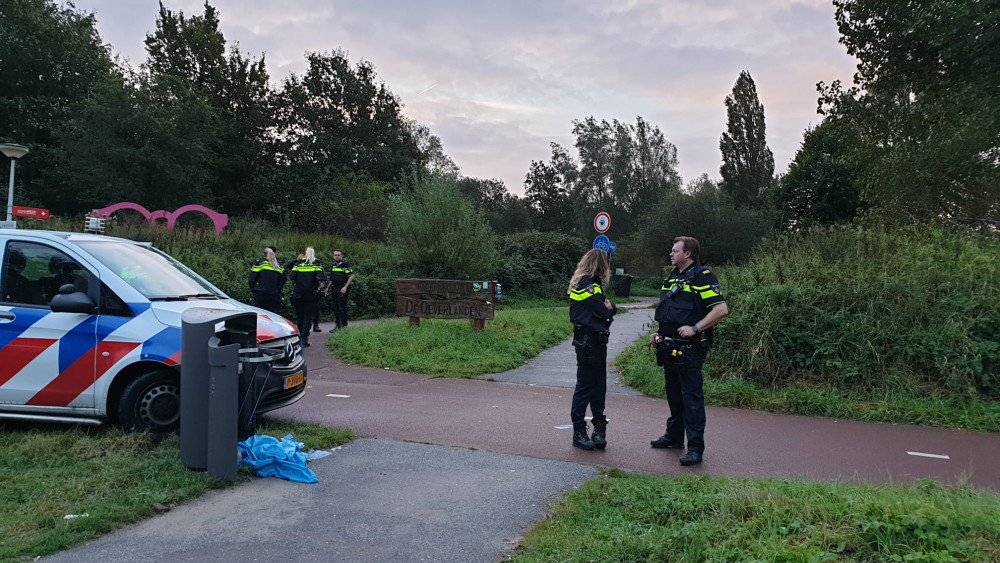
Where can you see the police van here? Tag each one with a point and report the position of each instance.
(90, 331)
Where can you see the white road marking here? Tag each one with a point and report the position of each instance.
(339, 396)
(936, 456)
(564, 427)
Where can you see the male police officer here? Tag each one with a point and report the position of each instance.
(341, 278)
(691, 303)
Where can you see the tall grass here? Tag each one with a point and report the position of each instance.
(842, 322)
(915, 310)
(624, 517)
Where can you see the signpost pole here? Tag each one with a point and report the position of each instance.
(10, 192)
(13, 152)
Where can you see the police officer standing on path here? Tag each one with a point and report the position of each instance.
(267, 279)
(592, 314)
(306, 277)
(691, 303)
(341, 278)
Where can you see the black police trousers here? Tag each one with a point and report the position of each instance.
(267, 301)
(591, 382)
(340, 304)
(305, 304)
(683, 380)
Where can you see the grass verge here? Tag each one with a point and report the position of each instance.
(107, 478)
(886, 403)
(625, 517)
(449, 348)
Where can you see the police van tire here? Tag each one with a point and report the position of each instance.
(152, 402)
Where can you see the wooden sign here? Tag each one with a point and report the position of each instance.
(446, 299)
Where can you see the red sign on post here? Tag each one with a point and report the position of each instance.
(35, 212)
(602, 222)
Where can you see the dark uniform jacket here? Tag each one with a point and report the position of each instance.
(265, 279)
(586, 307)
(685, 299)
(340, 273)
(306, 277)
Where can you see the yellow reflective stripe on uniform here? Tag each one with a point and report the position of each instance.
(307, 268)
(264, 266)
(705, 291)
(581, 294)
(341, 270)
(670, 283)
(686, 288)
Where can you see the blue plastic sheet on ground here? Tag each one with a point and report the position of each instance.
(270, 457)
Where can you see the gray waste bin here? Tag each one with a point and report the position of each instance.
(219, 356)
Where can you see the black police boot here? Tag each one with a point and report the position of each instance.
(580, 438)
(317, 329)
(600, 430)
(691, 458)
(664, 442)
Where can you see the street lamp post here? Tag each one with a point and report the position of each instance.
(13, 152)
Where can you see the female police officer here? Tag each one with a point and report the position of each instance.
(266, 282)
(592, 314)
(306, 277)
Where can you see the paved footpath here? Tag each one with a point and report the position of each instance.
(455, 470)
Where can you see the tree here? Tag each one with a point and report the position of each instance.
(821, 184)
(747, 163)
(548, 192)
(439, 233)
(437, 162)
(926, 105)
(187, 57)
(138, 140)
(621, 168)
(654, 170)
(337, 118)
(594, 146)
(51, 58)
(624, 167)
(504, 212)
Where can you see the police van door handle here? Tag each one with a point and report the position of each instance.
(7, 316)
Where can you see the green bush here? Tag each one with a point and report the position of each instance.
(373, 293)
(916, 309)
(539, 264)
(440, 234)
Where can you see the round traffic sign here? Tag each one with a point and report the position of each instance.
(602, 222)
(603, 243)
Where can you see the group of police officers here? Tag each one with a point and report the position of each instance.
(268, 278)
(691, 304)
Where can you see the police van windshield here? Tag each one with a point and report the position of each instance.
(151, 272)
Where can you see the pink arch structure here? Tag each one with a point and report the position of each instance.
(220, 220)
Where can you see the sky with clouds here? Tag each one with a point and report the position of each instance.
(499, 81)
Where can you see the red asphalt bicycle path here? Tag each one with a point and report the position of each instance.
(530, 420)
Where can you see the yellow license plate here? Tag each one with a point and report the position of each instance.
(294, 380)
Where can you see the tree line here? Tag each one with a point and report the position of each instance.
(916, 138)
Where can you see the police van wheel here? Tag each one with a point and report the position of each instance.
(152, 402)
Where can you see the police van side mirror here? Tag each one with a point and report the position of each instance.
(72, 302)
